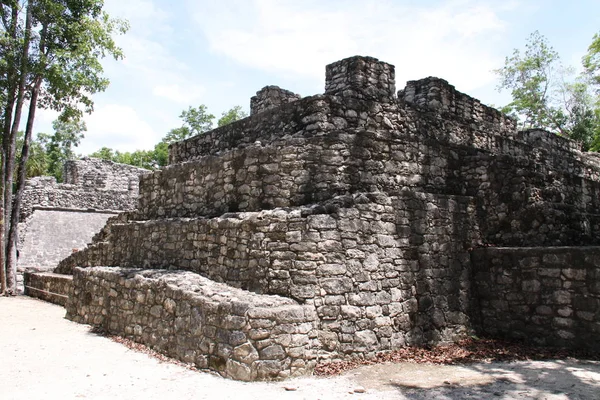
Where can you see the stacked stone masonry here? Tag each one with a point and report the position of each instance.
(271, 97)
(59, 218)
(548, 295)
(89, 183)
(242, 335)
(360, 204)
(47, 286)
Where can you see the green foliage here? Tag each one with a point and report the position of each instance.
(138, 158)
(232, 115)
(195, 121)
(543, 96)
(529, 77)
(149, 159)
(59, 146)
(591, 61)
(37, 163)
(75, 35)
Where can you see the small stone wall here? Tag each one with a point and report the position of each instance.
(97, 173)
(240, 335)
(271, 97)
(548, 140)
(47, 286)
(438, 95)
(364, 78)
(90, 183)
(544, 295)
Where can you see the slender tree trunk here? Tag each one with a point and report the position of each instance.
(10, 262)
(2, 267)
(8, 117)
(14, 226)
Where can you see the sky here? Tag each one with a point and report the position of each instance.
(181, 53)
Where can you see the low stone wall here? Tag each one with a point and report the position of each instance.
(271, 97)
(439, 96)
(544, 295)
(90, 183)
(47, 286)
(71, 196)
(238, 334)
(97, 173)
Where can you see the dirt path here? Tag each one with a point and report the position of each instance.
(42, 355)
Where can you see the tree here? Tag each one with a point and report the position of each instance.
(51, 51)
(59, 146)
(195, 121)
(232, 115)
(37, 164)
(149, 159)
(529, 77)
(543, 96)
(591, 61)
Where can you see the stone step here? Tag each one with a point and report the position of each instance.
(48, 286)
(298, 171)
(291, 252)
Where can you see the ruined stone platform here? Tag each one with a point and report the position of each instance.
(240, 334)
(366, 209)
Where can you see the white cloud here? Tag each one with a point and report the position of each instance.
(179, 93)
(119, 127)
(453, 39)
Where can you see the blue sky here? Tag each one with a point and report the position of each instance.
(220, 52)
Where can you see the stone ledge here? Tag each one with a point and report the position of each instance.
(47, 286)
(239, 334)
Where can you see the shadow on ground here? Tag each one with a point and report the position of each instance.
(557, 379)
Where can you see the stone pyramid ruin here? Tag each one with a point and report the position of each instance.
(348, 223)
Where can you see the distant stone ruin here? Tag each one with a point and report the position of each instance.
(60, 218)
(348, 223)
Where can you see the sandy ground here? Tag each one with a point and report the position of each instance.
(44, 356)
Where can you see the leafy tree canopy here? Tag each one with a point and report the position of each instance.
(544, 94)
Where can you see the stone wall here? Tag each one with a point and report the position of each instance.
(546, 295)
(57, 218)
(238, 334)
(90, 183)
(439, 96)
(271, 97)
(53, 288)
(363, 78)
(97, 173)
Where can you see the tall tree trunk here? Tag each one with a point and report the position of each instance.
(2, 266)
(6, 129)
(14, 226)
(10, 262)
